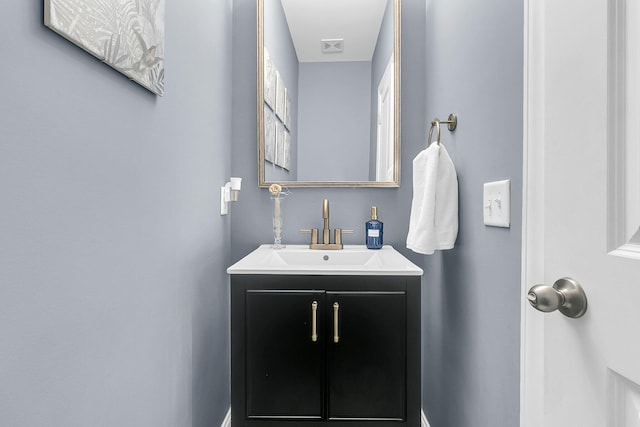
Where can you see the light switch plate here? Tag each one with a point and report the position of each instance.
(496, 202)
(224, 205)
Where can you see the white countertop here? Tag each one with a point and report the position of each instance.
(354, 260)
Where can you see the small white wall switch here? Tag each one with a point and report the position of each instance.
(496, 201)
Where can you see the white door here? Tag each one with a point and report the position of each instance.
(582, 211)
(385, 126)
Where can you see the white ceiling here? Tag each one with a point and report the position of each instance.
(355, 21)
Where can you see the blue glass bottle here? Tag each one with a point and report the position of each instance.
(373, 230)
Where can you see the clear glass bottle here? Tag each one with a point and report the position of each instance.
(373, 230)
(277, 222)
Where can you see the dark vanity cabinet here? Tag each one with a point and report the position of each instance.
(325, 350)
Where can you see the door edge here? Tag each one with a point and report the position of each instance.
(531, 324)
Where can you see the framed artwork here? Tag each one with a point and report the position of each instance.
(128, 35)
(280, 96)
(287, 109)
(279, 144)
(287, 151)
(269, 81)
(269, 135)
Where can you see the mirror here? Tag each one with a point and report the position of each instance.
(329, 93)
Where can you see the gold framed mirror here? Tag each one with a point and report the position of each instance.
(328, 95)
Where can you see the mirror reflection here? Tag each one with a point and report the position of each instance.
(328, 95)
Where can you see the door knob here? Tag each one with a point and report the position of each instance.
(566, 295)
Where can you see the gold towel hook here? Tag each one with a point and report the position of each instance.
(452, 123)
(434, 124)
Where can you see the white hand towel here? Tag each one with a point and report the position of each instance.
(433, 224)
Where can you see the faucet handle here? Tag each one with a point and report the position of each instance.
(313, 232)
(337, 235)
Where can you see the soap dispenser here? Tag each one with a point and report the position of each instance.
(373, 230)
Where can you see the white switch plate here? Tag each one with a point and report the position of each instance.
(224, 205)
(496, 202)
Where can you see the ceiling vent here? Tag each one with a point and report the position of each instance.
(332, 45)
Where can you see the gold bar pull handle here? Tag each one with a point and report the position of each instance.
(314, 321)
(336, 336)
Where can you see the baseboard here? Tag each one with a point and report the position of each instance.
(424, 421)
(227, 420)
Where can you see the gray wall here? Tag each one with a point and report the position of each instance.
(472, 294)
(334, 117)
(384, 48)
(113, 292)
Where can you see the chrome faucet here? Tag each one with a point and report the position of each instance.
(326, 232)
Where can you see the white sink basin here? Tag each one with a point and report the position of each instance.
(321, 258)
(352, 260)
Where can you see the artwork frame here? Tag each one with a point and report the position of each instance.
(280, 96)
(280, 131)
(270, 81)
(269, 135)
(287, 151)
(287, 108)
(127, 35)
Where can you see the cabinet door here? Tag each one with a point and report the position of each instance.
(284, 360)
(367, 364)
